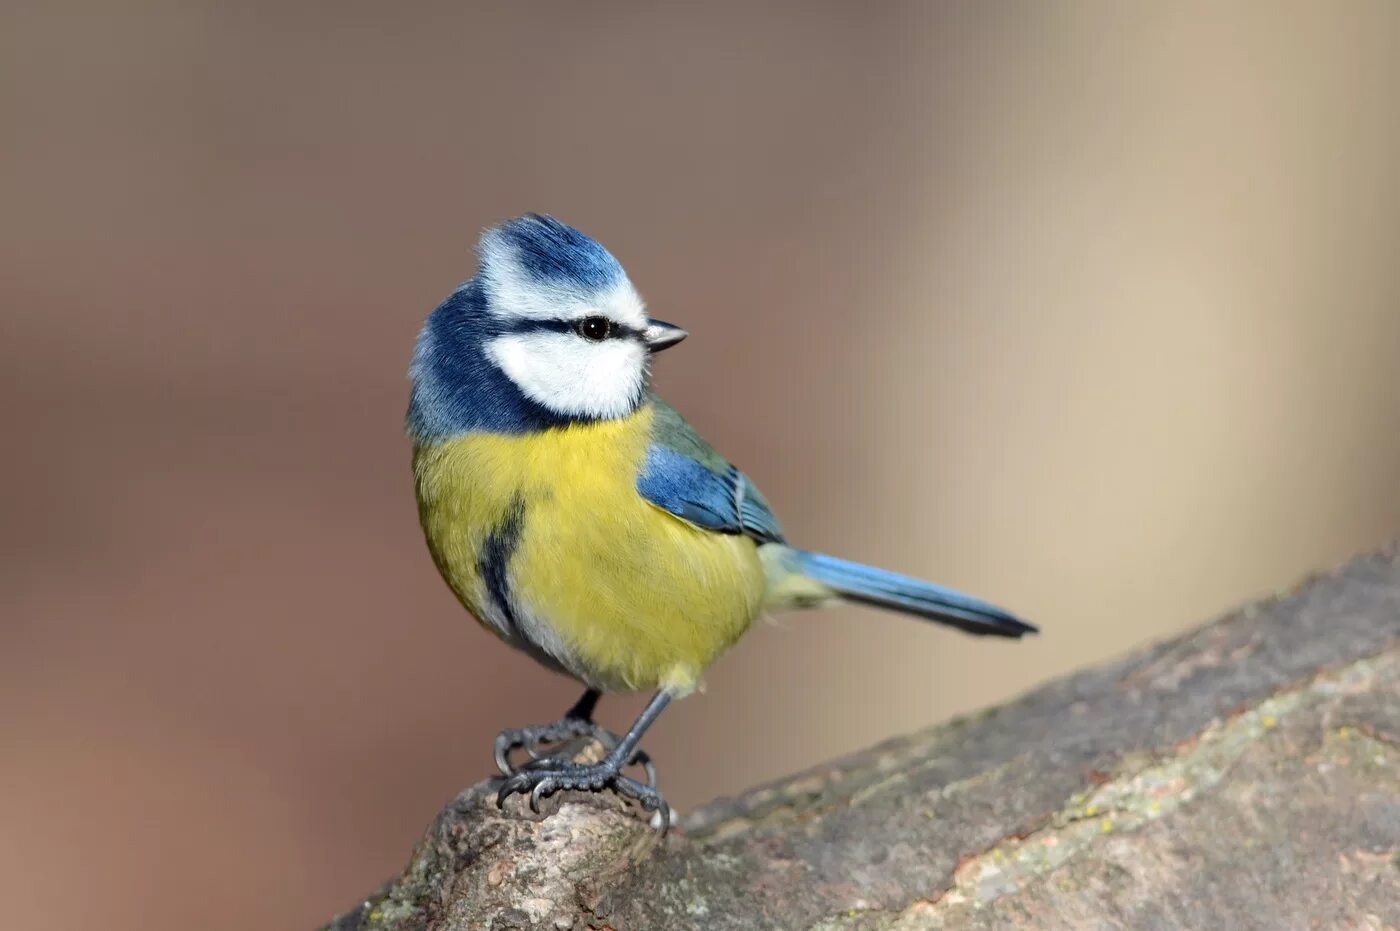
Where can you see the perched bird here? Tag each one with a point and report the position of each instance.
(582, 520)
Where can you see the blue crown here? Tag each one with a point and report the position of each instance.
(549, 252)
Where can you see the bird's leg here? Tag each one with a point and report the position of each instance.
(576, 722)
(541, 778)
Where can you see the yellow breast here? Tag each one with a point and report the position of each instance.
(614, 590)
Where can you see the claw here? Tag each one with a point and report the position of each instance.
(503, 748)
(508, 788)
(643, 759)
(661, 819)
(542, 788)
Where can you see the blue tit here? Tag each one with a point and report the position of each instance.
(582, 520)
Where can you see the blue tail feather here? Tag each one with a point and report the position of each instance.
(887, 589)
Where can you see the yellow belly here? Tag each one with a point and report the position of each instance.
(623, 595)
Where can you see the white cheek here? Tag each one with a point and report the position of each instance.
(572, 376)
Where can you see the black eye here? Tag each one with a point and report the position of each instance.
(595, 329)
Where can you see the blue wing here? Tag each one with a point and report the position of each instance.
(685, 476)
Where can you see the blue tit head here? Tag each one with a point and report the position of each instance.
(548, 332)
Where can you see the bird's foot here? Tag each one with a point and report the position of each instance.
(534, 738)
(542, 778)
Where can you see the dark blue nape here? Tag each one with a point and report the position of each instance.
(456, 389)
(556, 252)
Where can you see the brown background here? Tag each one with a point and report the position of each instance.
(1091, 309)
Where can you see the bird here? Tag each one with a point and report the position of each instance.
(582, 520)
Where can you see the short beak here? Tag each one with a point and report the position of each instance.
(662, 335)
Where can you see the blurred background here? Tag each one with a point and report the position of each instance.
(1093, 309)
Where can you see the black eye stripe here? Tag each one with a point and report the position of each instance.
(616, 330)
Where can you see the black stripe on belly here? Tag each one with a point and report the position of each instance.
(494, 562)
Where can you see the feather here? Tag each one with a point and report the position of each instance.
(885, 589)
(685, 476)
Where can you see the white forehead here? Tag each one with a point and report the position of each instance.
(515, 292)
(572, 376)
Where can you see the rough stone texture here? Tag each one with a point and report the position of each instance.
(1244, 776)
